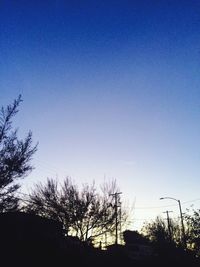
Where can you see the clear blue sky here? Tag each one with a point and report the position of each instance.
(110, 90)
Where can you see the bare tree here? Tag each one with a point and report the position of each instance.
(15, 156)
(84, 213)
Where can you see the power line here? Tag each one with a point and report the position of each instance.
(155, 207)
(194, 200)
(150, 207)
(171, 205)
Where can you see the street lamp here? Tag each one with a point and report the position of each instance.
(181, 214)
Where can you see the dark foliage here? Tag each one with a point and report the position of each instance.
(30, 240)
(193, 231)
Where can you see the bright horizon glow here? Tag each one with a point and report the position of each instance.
(110, 91)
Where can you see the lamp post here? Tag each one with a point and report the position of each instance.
(181, 214)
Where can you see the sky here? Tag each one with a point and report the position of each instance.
(110, 91)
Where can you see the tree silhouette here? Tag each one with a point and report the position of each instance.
(15, 156)
(84, 213)
(158, 231)
(166, 244)
(193, 231)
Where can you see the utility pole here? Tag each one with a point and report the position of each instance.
(120, 221)
(168, 224)
(116, 197)
(183, 236)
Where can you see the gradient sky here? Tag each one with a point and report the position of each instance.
(111, 91)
